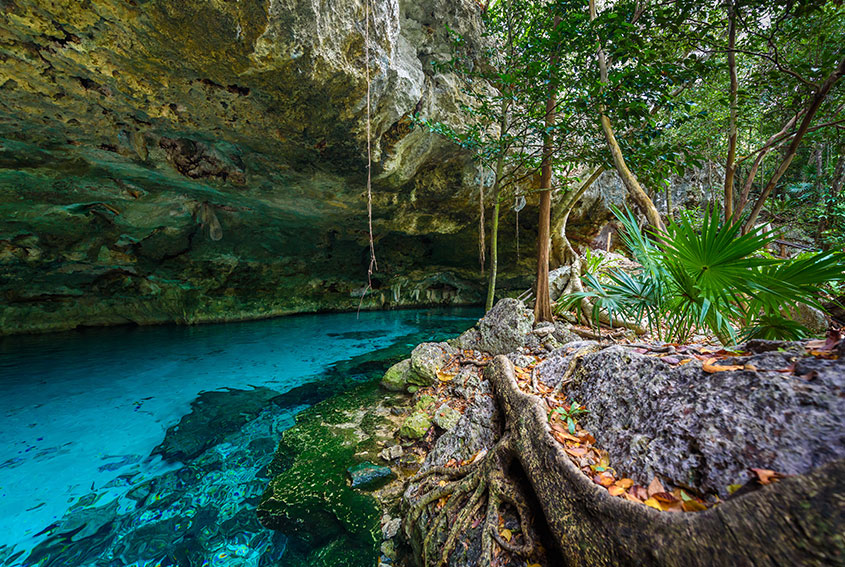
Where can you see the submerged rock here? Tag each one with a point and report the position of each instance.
(368, 475)
(309, 498)
(213, 416)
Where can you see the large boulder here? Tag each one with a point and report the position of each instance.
(705, 429)
(505, 327)
(396, 377)
(426, 361)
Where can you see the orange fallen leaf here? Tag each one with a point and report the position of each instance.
(616, 490)
(576, 451)
(625, 483)
(562, 435)
(585, 437)
(654, 487)
(606, 480)
(766, 476)
(709, 367)
(632, 498)
(693, 506)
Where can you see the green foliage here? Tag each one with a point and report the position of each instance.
(711, 277)
(568, 414)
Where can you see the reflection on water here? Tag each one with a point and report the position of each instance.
(148, 446)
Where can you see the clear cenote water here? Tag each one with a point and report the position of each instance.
(147, 446)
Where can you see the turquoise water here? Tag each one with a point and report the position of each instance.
(147, 446)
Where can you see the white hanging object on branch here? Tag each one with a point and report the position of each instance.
(518, 205)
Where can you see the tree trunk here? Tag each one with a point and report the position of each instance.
(771, 144)
(813, 107)
(835, 188)
(796, 521)
(633, 186)
(494, 252)
(542, 302)
(561, 249)
(730, 166)
(494, 236)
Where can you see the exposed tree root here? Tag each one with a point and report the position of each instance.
(462, 492)
(797, 521)
(573, 364)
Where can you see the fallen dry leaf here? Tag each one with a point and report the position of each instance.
(616, 490)
(710, 368)
(766, 476)
(506, 534)
(655, 487)
(625, 483)
(651, 502)
(666, 497)
(693, 506)
(576, 451)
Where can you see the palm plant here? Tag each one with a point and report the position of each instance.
(712, 277)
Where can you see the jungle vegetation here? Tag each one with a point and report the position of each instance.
(563, 90)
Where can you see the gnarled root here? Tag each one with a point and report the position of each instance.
(462, 493)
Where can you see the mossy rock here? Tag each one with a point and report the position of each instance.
(310, 499)
(415, 425)
(396, 377)
(426, 361)
(424, 402)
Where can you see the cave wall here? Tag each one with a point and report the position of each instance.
(202, 160)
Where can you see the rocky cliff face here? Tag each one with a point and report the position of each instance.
(199, 160)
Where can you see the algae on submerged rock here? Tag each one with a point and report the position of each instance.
(310, 498)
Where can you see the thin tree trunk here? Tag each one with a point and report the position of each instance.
(730, 166)
(494, 253)
(482, 245)
(835, 188)
(633, 186)
(816, 102)
(494, 236)
(560, 243)
(669, 203)
(542, 303)
(758, 161)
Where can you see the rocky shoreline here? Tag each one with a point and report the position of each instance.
(654, 416)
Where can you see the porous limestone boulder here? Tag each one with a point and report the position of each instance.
(505, 327)
(426, 360)
(415, 425)
(703, 429)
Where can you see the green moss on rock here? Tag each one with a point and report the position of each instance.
(396, 377)
(310, 498)
(415, 425)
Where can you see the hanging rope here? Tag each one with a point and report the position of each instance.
(481, 243)
(373, 266)
(518, 205)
